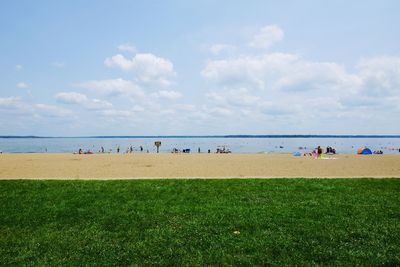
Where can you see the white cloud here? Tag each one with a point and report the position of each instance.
(58, 64)
(278, 71)
(12, 109)
(278, 108)
(254, 70)
(282, 87)
(119, 61)
(131, 113)
(127, 48)
(185, 107)
(82, 100)
(220, 111)
(71, 98)
(235, 97)
(137, 108)
(22, 85)
(7, 102)
(45, 110)
(19, 67)
(267, 36)
(114, 87)
(18, 107)
(167, 94)
(217, 49)
(98, 104)
(380, 75)
(147, 67)
(114, 113)
(14, 106)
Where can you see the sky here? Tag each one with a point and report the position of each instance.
(84, 68)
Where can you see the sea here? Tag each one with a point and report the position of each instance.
(236, 144)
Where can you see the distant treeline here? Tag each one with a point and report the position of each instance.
(217, 136)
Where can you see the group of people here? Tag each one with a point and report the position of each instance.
(175, 150)
(187, 150)
(330, 150)
(319, 151)
(223, 150)
(81, 151)
(130, 149)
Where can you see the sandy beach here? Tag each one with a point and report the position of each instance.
(125, 166)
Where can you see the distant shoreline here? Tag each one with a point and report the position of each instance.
(204, 136)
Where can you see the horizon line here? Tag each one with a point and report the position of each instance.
(217, 136)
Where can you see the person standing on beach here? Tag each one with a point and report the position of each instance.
(319, 151)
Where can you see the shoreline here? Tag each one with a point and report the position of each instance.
(191, 154)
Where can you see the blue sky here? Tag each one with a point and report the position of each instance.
(74, 68)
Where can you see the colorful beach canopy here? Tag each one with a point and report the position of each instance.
(364, 151)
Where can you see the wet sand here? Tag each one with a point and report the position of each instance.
(125, 166)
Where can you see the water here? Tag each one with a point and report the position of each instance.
(236, 145)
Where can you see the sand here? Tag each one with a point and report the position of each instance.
(123, 166)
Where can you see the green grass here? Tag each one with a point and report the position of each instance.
(192, 222)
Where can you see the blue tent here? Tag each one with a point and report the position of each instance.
(364, 151)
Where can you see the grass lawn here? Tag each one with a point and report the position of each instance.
(200, 222)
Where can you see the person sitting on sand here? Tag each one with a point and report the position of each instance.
(314, 154)
(330, 150)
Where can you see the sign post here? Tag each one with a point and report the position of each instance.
(157, 144)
